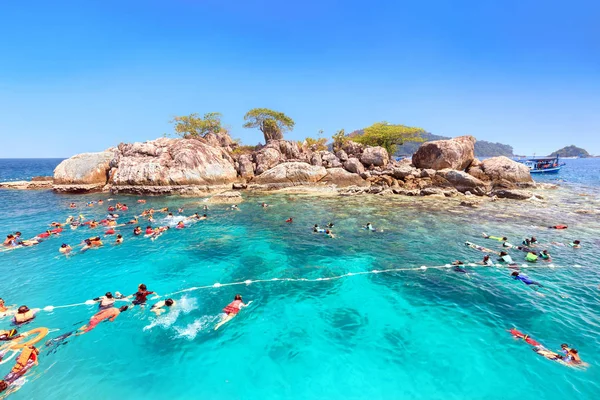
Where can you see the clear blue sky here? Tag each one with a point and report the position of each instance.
(81, 76)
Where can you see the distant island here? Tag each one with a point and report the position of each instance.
(571, 151)
(482, 148)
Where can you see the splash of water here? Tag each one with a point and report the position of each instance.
(191, 330)
(185, 305)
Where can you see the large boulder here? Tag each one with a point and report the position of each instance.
(84, 172)
(342, 178)
(377, 156)
(403, 170)
(245, 166)
(291, 174)
(171, 162)
(354, 165)
(476, 170)
(330, 160)
(461, 181)
(353, 149)
(503, 168)
(457, 153)
(266, 158)
(288, 150)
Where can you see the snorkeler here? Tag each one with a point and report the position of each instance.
(369, 227)
(65, 248)
(141, 295)
(24, 315)
(576, 244)
(159, 307)
(235, 207)
(137, 231)
(88, 244)
(531, 257)
(26, 360)
(119, 239)
(106, 301)
(544, 255)
(487, 261)
(504, 257)
(498, 238)
(525, 279)
(107, 314)
(289, 220)
(264, 205)
(329, 234)
(232, 310)
(180, 225)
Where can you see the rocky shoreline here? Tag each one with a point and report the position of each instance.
(214, 164)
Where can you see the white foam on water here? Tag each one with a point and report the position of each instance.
(191, 331)
(185, 305)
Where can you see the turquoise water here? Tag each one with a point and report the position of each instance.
(433, 334)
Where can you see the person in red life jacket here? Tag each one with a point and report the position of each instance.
(141, 296)
(26, 360)
(124, 207)
(109, 314)
(289, 220)
(232, 310)
(180, 225)
(111, 231)
(558, 227)
(44, 235)
(93, 224)
(149, 230)
(111, 208)
(57, 230)
(521, 335)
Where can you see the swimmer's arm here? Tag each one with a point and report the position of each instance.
(245, 305)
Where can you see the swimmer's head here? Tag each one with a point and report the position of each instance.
(169, 302)
(533, 239)
(88, 242)
(573, 351)
(148, 227)
(64, 245)
(514, 273)
(238, 297)
(576, 242)
(17, 233)
(564, 346)
(124, 308)
(108, 295)
(10, 236)
(170, 214)
(503, 253)
(23, 309)
(1, 301)
(204, 215)
(505, 239)
(119, 236)
(142, 287)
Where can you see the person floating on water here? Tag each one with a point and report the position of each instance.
(88, 244)
(544, 255)
(180, 210)
(72, 205)
(3, 307)
(25, 361)
(24, 315)
(317, 229)
(487, 261)
(576, 244)
(159, 308)
(180, 225)
(498, 238)
(531, 257)
(232, 310)
(65, 249)
(558, 227)
(119, 239)
(149, 230)
(141, 295)
(106, 301)
(329, 234)
(264, 205)
(525, 279)
(137, 231)
(289, 220)
(505, 258)
(369, 227)
(109, 314)
(235, 207)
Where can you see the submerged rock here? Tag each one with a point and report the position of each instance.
(515, 194)
(457, 153)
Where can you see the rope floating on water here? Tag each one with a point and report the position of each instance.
(247, 282)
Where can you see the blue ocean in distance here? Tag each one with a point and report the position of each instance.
(410, 334)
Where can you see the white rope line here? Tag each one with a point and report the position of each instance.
(247, 282)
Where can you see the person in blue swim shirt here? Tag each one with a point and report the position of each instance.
(525, 279)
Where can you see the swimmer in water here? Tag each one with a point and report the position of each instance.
(544, 255)
(72, 205)
(65, 249)
(576, 244)
(24, 314)
(137, 231)
(369, 227)
(141, 295)
(504, 257)
(180, 225)
(149, 230)
(3, 307)
(329, 233)
(264, 205)
(316, 229)
(487, 261)
(180, 210)
(133, 221)
(11, 334)
(119, 239)
(109, 314)
(525, 279)
(498, 238)
(235, 207)
(91, 243)
(25, 361)
(141, 201)
(159, 307)
(106, 301)
(289, 220)
(10, 241)
(232, 310)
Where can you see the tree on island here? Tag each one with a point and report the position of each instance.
(389, 136)
(193, 126)
(271, 123)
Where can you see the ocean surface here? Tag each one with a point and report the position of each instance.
(336, 329)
